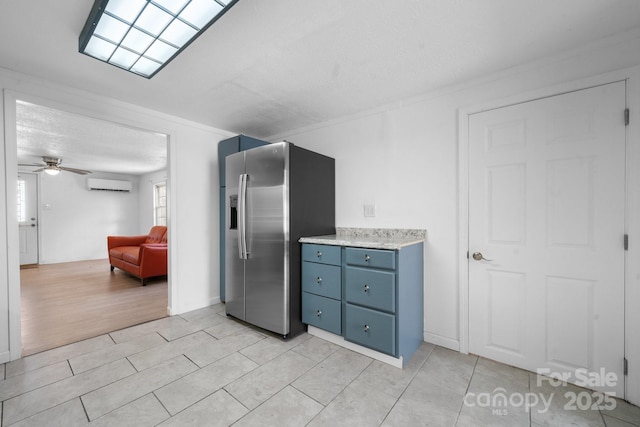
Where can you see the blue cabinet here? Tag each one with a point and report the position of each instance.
(322, 279)
(321, 312)
(370, 288)
(370, 328)
(376, 258)
(379, 296)
(323, 254)
(322, 287)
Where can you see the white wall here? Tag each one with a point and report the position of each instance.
(194, 217)
(404, 159)
(146, 187)
(75, 222)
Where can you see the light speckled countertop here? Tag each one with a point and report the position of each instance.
(375, 238)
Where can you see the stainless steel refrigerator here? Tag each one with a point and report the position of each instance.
(275, 194)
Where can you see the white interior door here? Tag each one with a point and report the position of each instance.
(28, 217)
(546, 214)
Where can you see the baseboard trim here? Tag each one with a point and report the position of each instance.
(445, 342)
(338, 340)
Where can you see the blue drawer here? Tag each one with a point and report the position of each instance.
(378, 258)
(325, 254)
(322, 312)
(370, 328)
(371, 288)
(322, 279)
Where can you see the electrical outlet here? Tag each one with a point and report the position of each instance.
(369, 210)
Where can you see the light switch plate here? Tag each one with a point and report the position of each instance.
(369, 210)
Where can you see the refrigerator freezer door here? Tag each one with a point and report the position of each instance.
(234, 265)
(267, 238)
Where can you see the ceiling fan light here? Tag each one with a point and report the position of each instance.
(52, 171)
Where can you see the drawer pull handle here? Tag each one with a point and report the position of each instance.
(366, 328)
(366, 288)
(319, 280)
(318, 313)
(367, 258)
(318, 254)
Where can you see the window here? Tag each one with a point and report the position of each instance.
(22, 200)
(160, 204)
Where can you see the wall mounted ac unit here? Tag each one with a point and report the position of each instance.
(108, 185)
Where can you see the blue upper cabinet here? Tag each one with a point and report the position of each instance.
(233, 145)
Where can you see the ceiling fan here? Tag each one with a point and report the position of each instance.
(52, 166)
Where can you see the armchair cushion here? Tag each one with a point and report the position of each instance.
(158, 234)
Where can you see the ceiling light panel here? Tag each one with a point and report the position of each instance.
(200, 12)
(126, 10)
(172, 6)
(153, 20)
(137, 41)
(142, 36)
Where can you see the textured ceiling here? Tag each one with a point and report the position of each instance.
(86, 143)
(272, 66)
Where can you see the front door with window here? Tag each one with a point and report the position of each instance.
(546, 232)
(28, 217)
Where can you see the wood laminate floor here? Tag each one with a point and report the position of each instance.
(68, 302)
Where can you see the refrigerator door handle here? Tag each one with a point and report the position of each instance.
(242, 213)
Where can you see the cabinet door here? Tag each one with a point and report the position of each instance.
(321, 312)
(325, 254)
(370, 328)
(322, 279)
(371, 288)
(377, 258)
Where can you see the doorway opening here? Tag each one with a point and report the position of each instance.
(70, 294)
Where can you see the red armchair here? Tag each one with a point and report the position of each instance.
(142, 256)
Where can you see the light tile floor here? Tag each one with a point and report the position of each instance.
(203, 369)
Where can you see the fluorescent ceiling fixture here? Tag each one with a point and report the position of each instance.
(142, 36)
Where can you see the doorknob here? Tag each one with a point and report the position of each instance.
(478, 257)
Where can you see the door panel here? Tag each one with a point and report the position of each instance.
(569, 348)
(570, 202)
(506, 298)
(546, 211)
(28, 218)
(507, 203)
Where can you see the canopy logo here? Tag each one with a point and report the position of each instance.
(500, 402)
